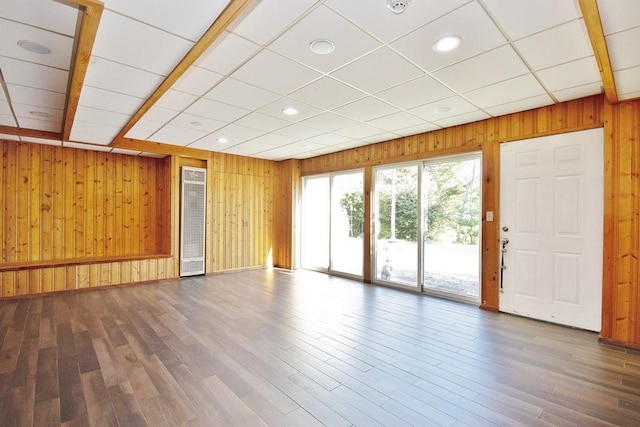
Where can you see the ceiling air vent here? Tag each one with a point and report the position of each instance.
(398, 7)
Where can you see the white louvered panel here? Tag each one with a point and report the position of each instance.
(192, 221)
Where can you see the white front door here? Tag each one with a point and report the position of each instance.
(551, 212)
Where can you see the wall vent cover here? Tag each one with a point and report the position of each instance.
(193, 221)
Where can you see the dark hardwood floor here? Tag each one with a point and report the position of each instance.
(298, 348)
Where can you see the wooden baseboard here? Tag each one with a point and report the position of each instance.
(617, 343)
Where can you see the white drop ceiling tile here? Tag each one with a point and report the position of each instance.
(143, 129)
(7, 120)
(387, 26)
(359, 131)
(305, 146)
(196, 123)
(263, 20)
(299, 131)
(322, 23)
(520, 19)
(42, 141)
(187, 22)
(246, 148)
(210, 142)
(275, 73)
(387, 136)
(127, 152)
(396, 121)
(416, 92)
(109, 101)
(61, 46)
(354, 143)
(618, 15)
(627, 82)
(32, 112)
(227, 53)
(578, 92)
(240, 94)
(274, 140)
(175, 100)
(4, 108)
(131, 42)
(216, 110)
(470, 22)
(262, 122)
(623, 49)
(50, 15)
(160, 115)
(242, 133)
(576, 73)
(93, 133)
(94, 115)
(169, 135)
(366, 109)
(491, 67)
(327, 93)
(570, 41)
(86, 146)
(304, 110)
(473, 116)
(329, 139)
(415, 130)
(377, 71)
(313, 153)
(33, 75)
(629, 96)
(520, 105)
(329, 122)
(511, 90)
(197, 81)
(45, 125)
(115, 77)
(443, 109)
(279, 153)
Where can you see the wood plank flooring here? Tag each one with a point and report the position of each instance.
(283, 348)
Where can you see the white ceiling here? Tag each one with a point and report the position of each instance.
(383, 80)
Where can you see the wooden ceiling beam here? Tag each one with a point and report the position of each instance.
(231, 12)
(159, 148)
(33, 133)
(592, 20)
(92, 12)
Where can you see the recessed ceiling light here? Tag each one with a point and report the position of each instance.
(447, 44)
(289, 111)
(40, 114)
(222, 140)
(196, 123)
(34, 47)
(322, 46)
(442, 110)
(398, 6)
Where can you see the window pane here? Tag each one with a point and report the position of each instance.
(347, 222)
(396, 215)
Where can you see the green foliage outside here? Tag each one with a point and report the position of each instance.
(452, 203)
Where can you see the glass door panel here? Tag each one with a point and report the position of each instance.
(347, 222)
(315, 223)
(451, 252)
(396, 215)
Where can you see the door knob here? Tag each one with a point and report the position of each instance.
(505, 241)
(505, 228)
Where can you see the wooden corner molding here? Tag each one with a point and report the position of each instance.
(228, 15)
(592, 20)
(86, 36)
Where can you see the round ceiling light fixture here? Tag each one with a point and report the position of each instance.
(34, 47)
(289, 111)
(322, 46)
(447, 44)
(398, 6)
(222, 140)
(442, 110)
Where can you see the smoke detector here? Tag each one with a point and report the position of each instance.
(397, 6)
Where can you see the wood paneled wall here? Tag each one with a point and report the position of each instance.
(287, 204)
(485, 136)
(61, 208)
(241, 212)
(621, 287)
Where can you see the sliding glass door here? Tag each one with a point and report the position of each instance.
(427, 226)
(332, 223)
